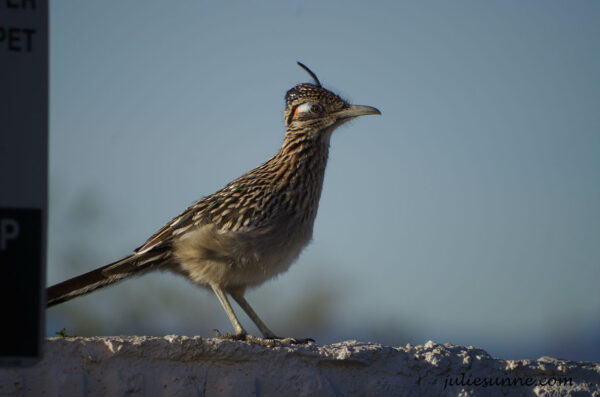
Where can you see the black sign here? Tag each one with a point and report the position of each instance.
(23, 177)
(21, 281)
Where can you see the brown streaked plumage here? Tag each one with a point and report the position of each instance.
(253, 228)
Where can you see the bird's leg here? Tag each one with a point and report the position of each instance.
(270, 338)
(238, 295)
(240, 332)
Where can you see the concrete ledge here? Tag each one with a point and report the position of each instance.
(182, 366)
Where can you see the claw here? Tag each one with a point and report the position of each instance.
(230, 336)
(277, 341)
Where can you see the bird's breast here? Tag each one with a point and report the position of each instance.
(242, 258)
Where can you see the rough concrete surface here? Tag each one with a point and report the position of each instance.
(184, 366)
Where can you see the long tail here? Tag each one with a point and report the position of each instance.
(104, 276)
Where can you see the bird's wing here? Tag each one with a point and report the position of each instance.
(246, 204)
(175, 227)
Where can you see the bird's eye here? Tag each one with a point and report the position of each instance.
(309, 107)
(316, 108)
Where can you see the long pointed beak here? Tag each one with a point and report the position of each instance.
(357, 110)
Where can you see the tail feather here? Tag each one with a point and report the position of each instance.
(103, 276)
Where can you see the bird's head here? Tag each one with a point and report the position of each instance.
(310, 108)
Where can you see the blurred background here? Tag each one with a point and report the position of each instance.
(469, 212)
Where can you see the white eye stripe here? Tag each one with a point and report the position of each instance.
(304, 108)
(308, 107)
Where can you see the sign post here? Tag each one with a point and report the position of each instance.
(23, 177)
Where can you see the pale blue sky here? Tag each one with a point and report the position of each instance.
(469, 212)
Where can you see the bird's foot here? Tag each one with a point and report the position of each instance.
(231, 336)
(277, 341)
(271, 341)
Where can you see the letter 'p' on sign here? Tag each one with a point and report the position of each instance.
(23, 177)
(9, 230)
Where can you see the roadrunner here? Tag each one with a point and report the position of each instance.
(254, 227)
